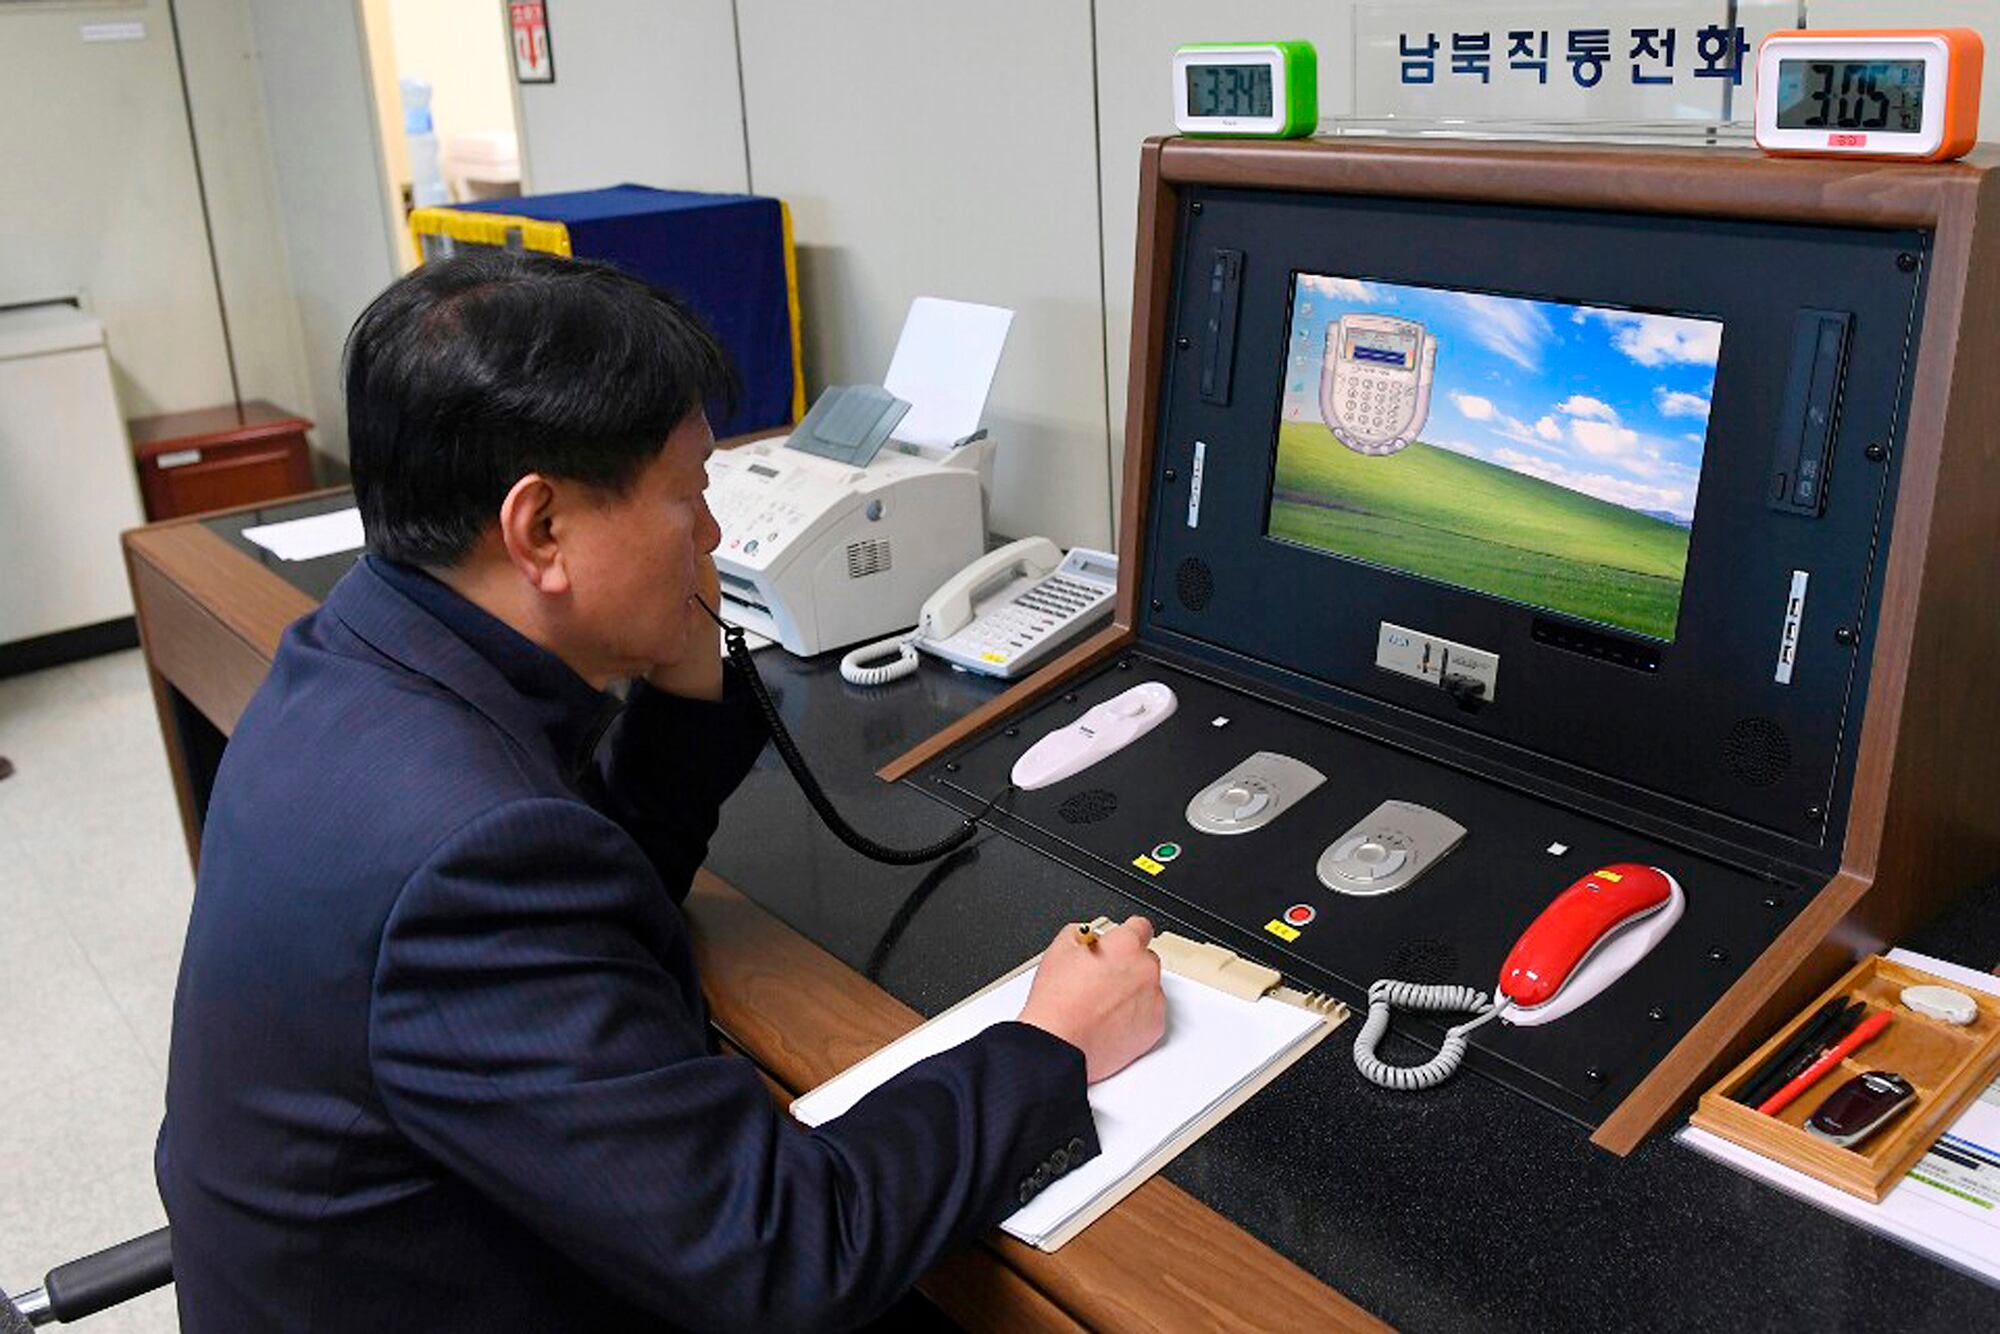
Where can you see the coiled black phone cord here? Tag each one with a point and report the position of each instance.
(788, 751)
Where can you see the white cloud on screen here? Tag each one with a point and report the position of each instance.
(1340, 289)
(1549, 429)
(1472, 406)
(1583, 405)
(1514, 329)
(1673, 494)
(1602, 439)
(1677, 403)
(1660, 340)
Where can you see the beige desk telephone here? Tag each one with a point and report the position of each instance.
(1002, 615)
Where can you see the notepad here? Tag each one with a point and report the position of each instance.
(1219, 1049)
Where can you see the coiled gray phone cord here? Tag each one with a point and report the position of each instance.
(1386, 995)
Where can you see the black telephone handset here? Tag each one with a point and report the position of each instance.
(788, 751)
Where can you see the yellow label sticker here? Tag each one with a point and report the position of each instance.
(994, 657)
(1148, 865)
(1281, 931)
(1612, 876)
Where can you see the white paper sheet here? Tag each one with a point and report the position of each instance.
(1213, 1043)
(1949, 1204)
(944, 365)
(309, 539)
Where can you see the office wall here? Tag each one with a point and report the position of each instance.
(948, 150)
(1135, 47)
(97, 193)
(644, 92)
(101, 196)
(227, 97)
(925, 148)
(331, 198)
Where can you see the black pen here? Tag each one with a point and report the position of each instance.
(1778, 1059)
(1831, 1031)
(1806, 1039)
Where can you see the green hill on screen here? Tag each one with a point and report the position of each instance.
(1478, 525)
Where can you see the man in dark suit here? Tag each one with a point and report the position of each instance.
(440, 1056)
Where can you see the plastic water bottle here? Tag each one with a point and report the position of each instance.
(427, 187)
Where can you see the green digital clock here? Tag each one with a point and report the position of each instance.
(1264, 90)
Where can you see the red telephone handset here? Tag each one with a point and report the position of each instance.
(1571, 928)
(1574, 950)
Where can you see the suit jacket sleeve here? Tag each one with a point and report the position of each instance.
(533, 1029)
(667, 764)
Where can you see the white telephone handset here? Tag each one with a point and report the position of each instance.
(1000, 615)
(949, 610)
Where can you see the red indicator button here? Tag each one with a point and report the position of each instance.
(1300, 914)
(1847, 141)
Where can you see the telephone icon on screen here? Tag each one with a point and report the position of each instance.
(1002, 615)
(1375, 381)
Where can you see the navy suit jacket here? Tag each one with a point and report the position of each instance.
(440, 1056)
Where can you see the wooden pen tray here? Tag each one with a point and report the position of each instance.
(1947, 1064)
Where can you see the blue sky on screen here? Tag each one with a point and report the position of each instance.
(1612, 403)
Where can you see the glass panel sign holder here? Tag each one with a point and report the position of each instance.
(1647, 72)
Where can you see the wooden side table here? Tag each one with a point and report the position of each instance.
(213, 458)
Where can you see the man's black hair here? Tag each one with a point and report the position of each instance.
(476, 370)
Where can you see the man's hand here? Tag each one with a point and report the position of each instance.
(697, 673)
(1105, 1001)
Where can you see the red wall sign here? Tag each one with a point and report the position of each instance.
(534, 61)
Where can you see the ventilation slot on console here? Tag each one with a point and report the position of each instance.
(1757, 751)
(1089, 806)
(1633, 653)
(866, 558)
(1195, 583)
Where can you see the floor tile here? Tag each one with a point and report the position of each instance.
(94, 895)
(115, 1207)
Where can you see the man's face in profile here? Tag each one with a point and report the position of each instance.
(637, 561)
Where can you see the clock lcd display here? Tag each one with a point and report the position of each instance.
(1851, 95)
(1229, 90)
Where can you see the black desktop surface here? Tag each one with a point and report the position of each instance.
(1464, 1208)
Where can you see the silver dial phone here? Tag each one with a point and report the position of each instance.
(1375, 381)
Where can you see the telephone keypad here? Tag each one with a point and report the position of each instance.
(1019, 626)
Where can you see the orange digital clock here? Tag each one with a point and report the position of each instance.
(1909, 93)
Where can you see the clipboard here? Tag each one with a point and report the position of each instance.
(1268, 1040)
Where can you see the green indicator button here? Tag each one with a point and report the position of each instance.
(1166, 852)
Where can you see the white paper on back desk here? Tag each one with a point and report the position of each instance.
(1217, 1051)
(312, 537)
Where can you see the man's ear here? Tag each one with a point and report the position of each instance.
(528, 532)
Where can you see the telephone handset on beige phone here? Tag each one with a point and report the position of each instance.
(1002, 615)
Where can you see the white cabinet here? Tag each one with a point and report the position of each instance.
(66, 483)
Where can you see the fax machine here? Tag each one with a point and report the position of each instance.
(818, 554)
(838, 532)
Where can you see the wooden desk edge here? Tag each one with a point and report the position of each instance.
(1161, 1259)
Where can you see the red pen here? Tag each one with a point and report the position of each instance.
(1863, 1033)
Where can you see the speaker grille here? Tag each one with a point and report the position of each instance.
(1757, 751)
(864, 558)
(1195, 583)
(1089, 806)
(1426, 961)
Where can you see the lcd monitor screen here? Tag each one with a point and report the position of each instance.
(1536, 451)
